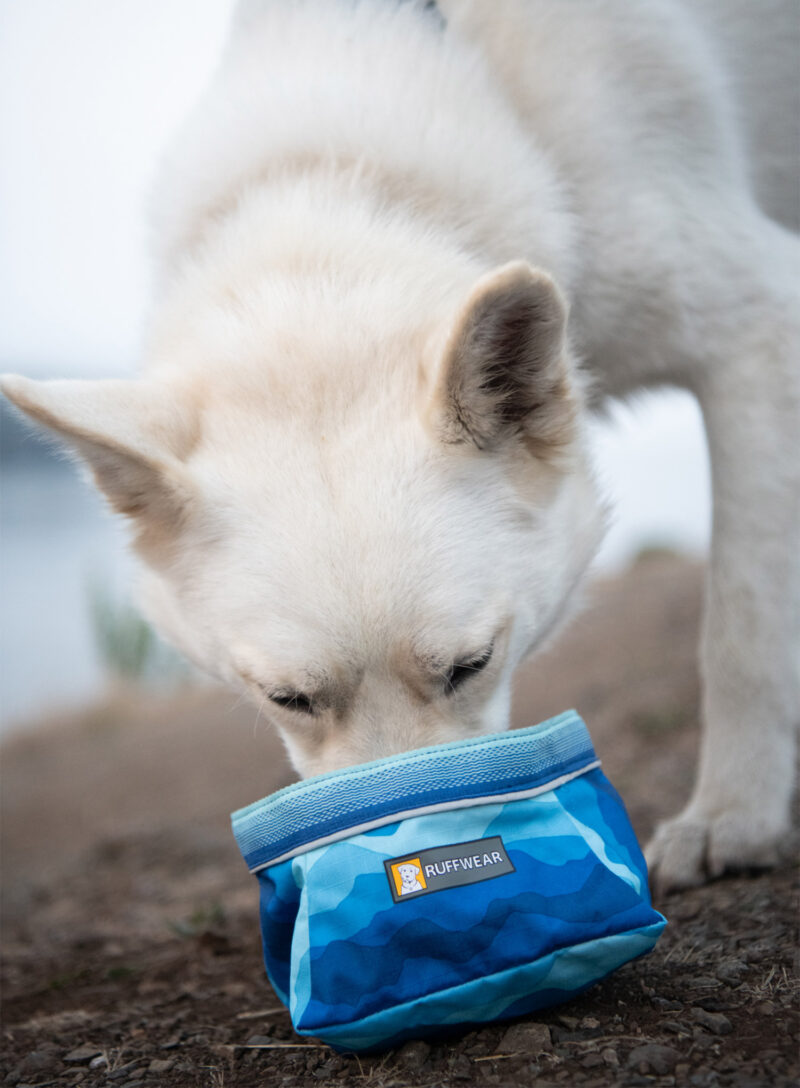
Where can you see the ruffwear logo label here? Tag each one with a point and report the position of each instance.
(448, 866)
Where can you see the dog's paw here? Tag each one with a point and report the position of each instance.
(692, 848)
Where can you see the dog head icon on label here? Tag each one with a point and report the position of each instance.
(408, 876)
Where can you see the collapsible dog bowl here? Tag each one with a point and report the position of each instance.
(461, 883)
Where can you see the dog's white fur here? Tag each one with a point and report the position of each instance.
(356, 457)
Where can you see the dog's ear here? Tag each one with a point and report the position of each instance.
(504, 371)
(129, 433)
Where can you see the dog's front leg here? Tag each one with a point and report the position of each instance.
(749, 390)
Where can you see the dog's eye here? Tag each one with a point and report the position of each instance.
(293, 700)
(463, 670)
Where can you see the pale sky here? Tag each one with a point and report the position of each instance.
(89, 93)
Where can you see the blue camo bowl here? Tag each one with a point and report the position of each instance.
(458, 884)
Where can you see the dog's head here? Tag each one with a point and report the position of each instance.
(368, 532)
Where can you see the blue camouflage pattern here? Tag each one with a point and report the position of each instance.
(362, 971)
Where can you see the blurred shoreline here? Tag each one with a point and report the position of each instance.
(56, 539)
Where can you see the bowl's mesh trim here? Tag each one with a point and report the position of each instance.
(328, 804)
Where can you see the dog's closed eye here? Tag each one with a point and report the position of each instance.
(292, 700)
(464, 670)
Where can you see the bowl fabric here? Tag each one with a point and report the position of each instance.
(461, 883)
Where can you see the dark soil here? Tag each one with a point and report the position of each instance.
(131, 950)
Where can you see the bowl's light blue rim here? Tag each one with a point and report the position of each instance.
(328, 804)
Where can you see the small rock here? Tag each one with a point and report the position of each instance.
(414, 1055)
(569, 1022)
(716, 1022)
(702, 1040)
(460, 1067)
(732, 971)
(591, 1061)
(704, 1077)
(712, 1004)
(758, 951)
(82, 1053)
(531, 1038)
(666, 1003)
(259, 1040)
(100, 1062)
(653, 1058)
(124, 1070)
(609, 1056)
(329, 1068)
(675, 1027)
(160, 1065)
(589, 1023)
(703, 982)
(38, 1061)
(478, 1049)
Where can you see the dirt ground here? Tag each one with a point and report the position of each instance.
(131, 954)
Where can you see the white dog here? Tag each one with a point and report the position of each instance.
(356, 464)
